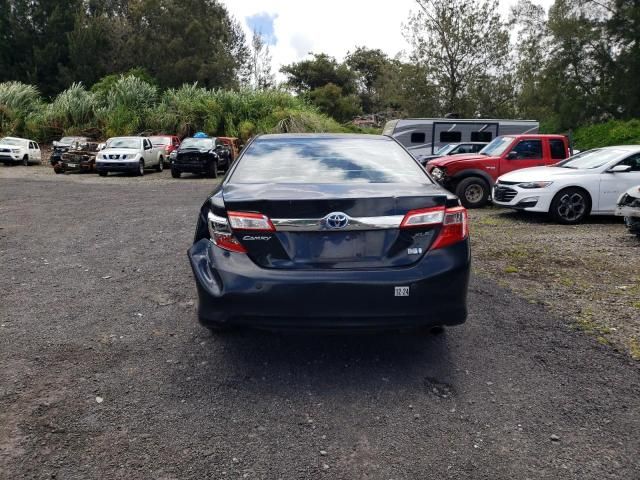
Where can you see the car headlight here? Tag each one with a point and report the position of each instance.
(534, 184)
(437, 173)
(173, 155)
(15, 150)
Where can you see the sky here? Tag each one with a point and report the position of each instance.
(295, 28)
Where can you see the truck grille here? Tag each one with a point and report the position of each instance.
(504, 194)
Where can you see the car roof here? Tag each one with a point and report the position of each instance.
(18, 138)
(293, 136)
(628, 148)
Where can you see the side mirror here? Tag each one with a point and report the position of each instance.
(512, 155)
(619, 169)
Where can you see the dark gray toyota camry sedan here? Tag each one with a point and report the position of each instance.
(328, 231)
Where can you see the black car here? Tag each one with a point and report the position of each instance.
(330, 232)
(62, 146)
(206, 156)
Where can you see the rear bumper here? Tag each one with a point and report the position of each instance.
(233, 290)
(117, 166)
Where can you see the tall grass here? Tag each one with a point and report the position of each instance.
(17, 101)
(131, 105)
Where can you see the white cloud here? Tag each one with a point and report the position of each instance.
(334, 27)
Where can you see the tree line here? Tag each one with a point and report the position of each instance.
(577, 63)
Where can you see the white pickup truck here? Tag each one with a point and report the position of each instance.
(19, 150)
(129, 154)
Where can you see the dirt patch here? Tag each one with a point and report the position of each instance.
(589, 274)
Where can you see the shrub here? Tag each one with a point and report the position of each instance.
(17, 101)
(613, 132)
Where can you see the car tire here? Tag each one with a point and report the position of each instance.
(570, 206)
(160, 166)
(473, 192)
(140, 171)
(25, 160)
(219, 328)
(103, 174)
(175, 173)
(436, 330)
(213, 170)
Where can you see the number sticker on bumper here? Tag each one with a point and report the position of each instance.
(402, 291)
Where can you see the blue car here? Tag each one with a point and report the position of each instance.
(330, 232)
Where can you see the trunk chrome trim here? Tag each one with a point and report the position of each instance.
(320, 224)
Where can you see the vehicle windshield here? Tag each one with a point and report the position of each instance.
(133, 143)
(446, 149)
(160, 140)
(327, 160)
(197, 143)
(11, 141)
(592, 158)
(497, 146)
(67, 140)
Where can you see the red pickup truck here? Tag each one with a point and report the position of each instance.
(471, 177)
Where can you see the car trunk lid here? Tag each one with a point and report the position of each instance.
(333, 226)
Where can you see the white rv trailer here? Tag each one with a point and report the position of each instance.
(424, 136)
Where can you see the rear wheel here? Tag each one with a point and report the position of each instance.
(213, 170)
(25, 160)
(141, 168)
(570, 206)
(160, 166)
(473, 192)
(175, 173)
(437, 330)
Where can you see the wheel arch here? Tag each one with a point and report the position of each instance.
(577, 187)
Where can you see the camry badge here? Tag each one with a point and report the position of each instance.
(336, 220)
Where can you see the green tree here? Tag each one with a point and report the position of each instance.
(318, 71)
(261, 76)
(330, 99)
(369, 65)
(459, 41)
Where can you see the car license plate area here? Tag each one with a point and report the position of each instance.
(72, 165)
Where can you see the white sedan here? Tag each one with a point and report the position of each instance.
(586, 184)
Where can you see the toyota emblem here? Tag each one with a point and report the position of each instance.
(337, 220)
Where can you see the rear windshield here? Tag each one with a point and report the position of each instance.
(327, 160)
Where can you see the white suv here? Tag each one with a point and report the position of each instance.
(19, 150)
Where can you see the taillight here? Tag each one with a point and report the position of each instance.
(423, 217)
(221, 234)
(221, 229)
(250, 221)
(455, 226)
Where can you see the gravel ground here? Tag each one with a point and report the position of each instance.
(588, 274)
(106, 373)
